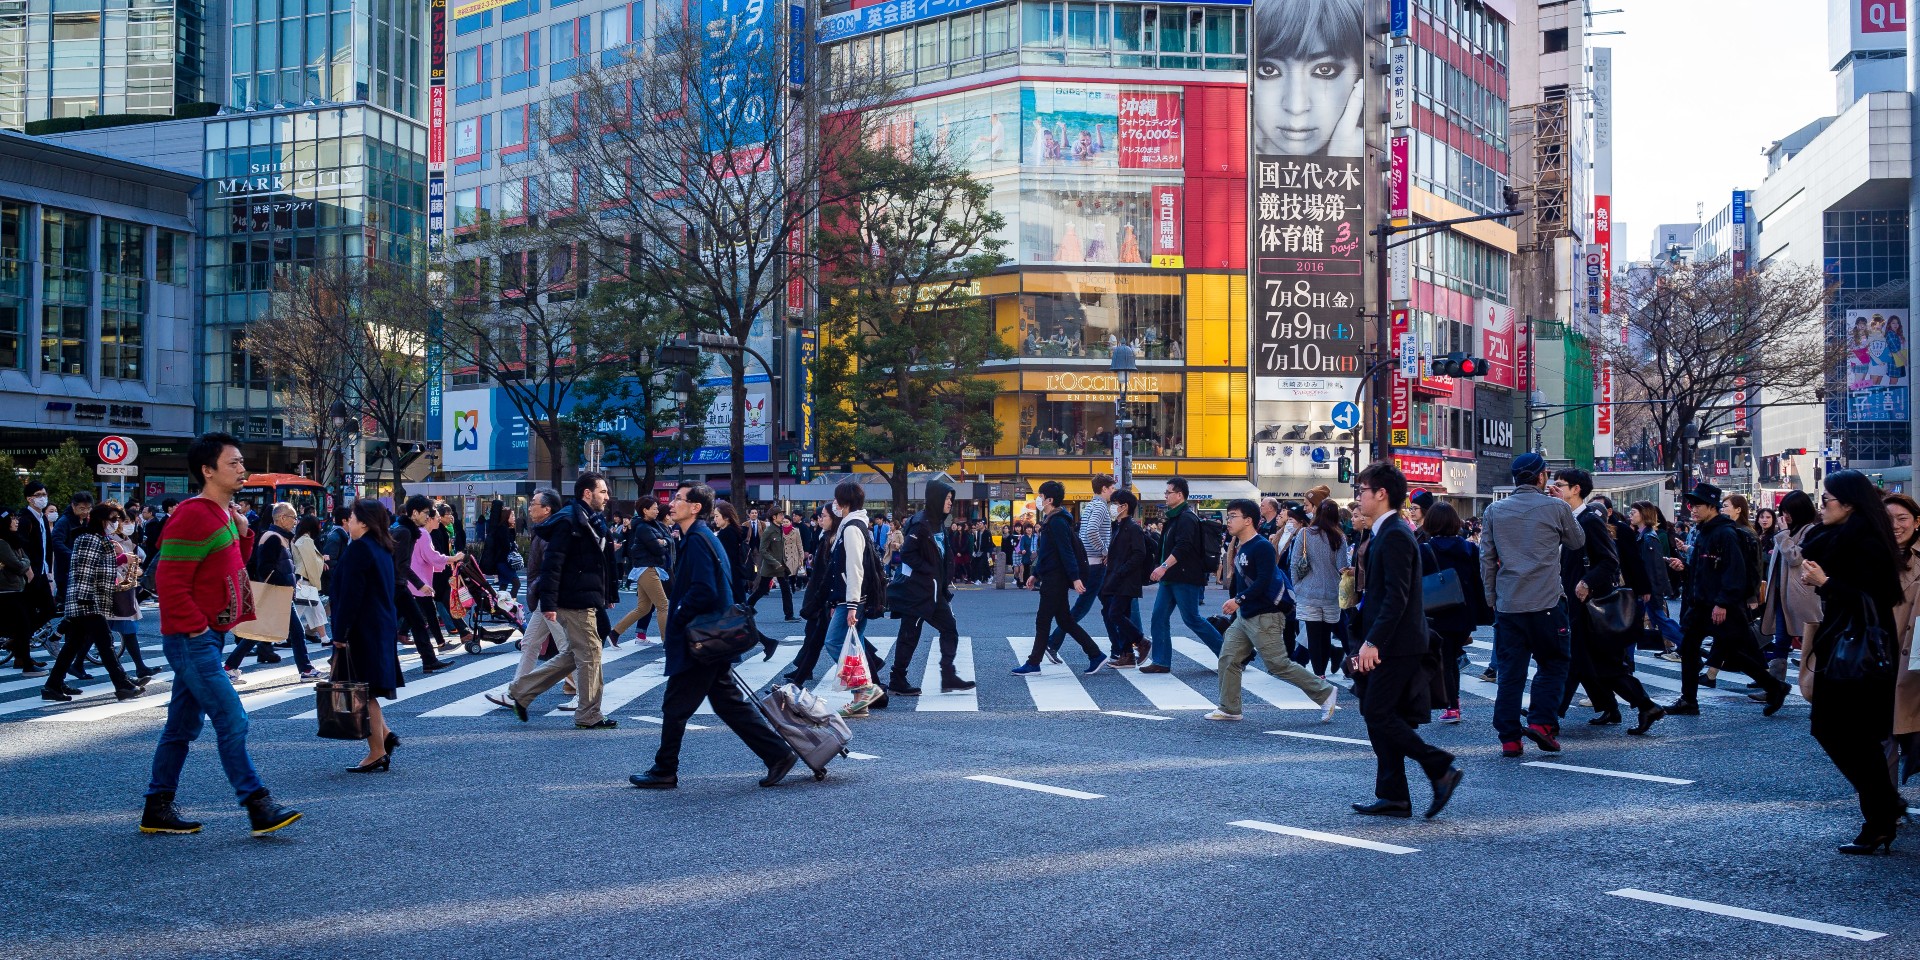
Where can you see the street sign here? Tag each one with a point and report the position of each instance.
(1409, 356)
(117, 470)
(117, 450)
(1346, 415)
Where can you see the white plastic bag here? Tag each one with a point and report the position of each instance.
(851, 673)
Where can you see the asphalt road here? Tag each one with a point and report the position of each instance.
(1175, 837)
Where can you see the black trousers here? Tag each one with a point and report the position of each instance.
(1734, 648)
(1055, 607)
(1394, 740)
(1453, 646)
(1122, 635)
(83, 632)
(762, 585)
(16, 619)
(415, 622)
(1320, 647)
(1851, 720)
(940, 619)
(712, 682)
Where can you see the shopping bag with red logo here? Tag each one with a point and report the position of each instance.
(852, 673)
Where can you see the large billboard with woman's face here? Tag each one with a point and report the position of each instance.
(1308, 224)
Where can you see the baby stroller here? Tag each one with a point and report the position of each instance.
(477, 595)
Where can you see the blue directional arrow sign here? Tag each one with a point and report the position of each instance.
(1346, 415)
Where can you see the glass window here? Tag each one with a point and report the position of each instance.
(63, 339)
(615, 27)
(123, 248)
(513, 55)
(513, 127)
(1086, 26)
(961, 34)
(1092, 311)
(466, 66)
(13, 333)
(1073, 424)
(172, 258)
(1103, 221)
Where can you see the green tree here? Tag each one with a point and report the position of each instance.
(650, 415)
(65, 472)
(13, 492)
(903, 329)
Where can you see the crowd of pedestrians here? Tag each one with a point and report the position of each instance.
(1387, 592)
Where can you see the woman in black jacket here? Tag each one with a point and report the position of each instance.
(733, 539)
(501, 541)
(1128, 561)
(1855, 568)
(650, 551)
(1455, 625)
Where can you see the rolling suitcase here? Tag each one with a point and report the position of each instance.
(810, 727)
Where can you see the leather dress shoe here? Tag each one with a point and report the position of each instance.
(1443, 787)
(1606, 719)
(778, 770)
(654, 780)
(1385, 808)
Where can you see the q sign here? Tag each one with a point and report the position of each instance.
(1883, 16)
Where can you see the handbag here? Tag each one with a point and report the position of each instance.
(1614, 613)
(272, 610)
(1441, 590)
(721, 637)
(1349, 590)
(342, 705)
(1861, 649)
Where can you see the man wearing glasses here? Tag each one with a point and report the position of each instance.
(1520, 542)
(1390, 667)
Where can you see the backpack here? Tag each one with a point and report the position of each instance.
(873, 581)
(1213, 535)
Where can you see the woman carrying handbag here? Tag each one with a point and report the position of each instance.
(1856, 568)
(366, 624)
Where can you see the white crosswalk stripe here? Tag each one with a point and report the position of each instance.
(1164, 690)
(1056, 686)
(1254, 680)
(931, 698)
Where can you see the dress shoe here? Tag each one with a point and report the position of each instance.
(1870, 841)
(952, 684)
(1155, 668)
(1649, 715)
(654, 780)
(1605, 719)
(778, 770)
(1682, 708)
(56, 696)
(437, 666)
(900, 686)
(882, 702)
(1385, 808)
(1776, 698)
(606, 723)
(392, 741)
(382, 765)
(1710, 683)
(1443, 787)
(130, 693)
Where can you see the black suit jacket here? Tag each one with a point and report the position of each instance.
(1393, 615)
(1597, 563)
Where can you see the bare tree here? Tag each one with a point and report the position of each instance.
(903, 330)
(648, 413)
(1697, 334)
(706, 169)
(299, 338)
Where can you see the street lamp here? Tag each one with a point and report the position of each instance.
(722, 343)
(1123, 366)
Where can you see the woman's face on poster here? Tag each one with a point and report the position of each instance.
(1298, 103)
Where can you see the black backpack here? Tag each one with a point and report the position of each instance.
(1213, 535)
(1750, 551)
(873, 605)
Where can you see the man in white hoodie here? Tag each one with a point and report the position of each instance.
(852, 585)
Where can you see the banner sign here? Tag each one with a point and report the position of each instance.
(436, 212)
(1495, 321)
(1877, 371)
(437, 62)
(437, 126)
(1152, 136)
(1420, 469)
(1167, 221)
(899, 13)
(1603, 412)
(1400, 184)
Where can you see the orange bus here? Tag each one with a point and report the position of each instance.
(267, 489)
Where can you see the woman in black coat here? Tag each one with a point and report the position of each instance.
(1455, 625)
(1855, 567)
(733, 540)
(1128, 562)
(365, 623)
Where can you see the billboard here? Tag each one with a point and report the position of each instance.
(1495, 321)
(480, 430)
(1101, 126)
(1877, 354)
(1308, 223)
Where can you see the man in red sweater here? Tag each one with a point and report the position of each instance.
(201, 576)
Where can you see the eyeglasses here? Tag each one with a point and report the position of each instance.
(1825, 499)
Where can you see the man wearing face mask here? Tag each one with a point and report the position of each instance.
(38, 603)
(66, 530)
(927, 596)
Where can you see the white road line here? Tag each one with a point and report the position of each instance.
(477, 705)
(756, 671)
(1344, 841)
(661, 721)
(155, 701)
(1056, 686)
(1319, 736)
(1778, 920)
(1038, 787)
(88, 692)
(628, 688)
(1622, 774)
(856, 755)
(1254, 679)
(931, 697)
(467, 670)
(1164, 690)
(1136, 716)
(835, 698)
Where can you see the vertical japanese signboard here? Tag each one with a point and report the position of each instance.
(1308, 221)
(437, 130)
(1603, 412)
(1739, 210)
(1495, 321)
(1152, 136)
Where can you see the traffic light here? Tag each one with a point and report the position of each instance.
(1796, 451)
(1346, 469)
(1458, 364)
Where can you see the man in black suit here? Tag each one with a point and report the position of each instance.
(1391, 664)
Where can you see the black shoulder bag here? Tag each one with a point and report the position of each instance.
(722, 636)
(1861, 647)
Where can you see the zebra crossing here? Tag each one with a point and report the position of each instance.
(634, 678)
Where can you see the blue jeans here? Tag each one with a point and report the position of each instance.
(1095, 576)
(837, 635)
(1517, 638)
(201, 690)
(1186, 596)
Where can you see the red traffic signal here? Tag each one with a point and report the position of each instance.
(1459, 364)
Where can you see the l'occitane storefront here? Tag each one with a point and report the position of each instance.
(1187, 400)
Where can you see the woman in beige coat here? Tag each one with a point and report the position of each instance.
(1790, 604)
(1905, 514)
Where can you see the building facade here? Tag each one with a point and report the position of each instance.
(97, 307)
(62, 59)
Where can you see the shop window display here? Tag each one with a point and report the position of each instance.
(1083, 425)
(1092, 312)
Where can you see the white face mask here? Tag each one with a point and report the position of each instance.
(38, 503)
(126, 529)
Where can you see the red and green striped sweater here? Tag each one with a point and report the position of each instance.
(202, 572)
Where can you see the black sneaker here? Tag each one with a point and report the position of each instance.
(1682, 708)
(265, 815)
(606, 723)
(161, 816)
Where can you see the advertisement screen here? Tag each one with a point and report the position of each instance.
(1877, 366)
(1308, 223)
(1100, 126)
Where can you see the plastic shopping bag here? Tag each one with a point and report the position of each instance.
(852, 673)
